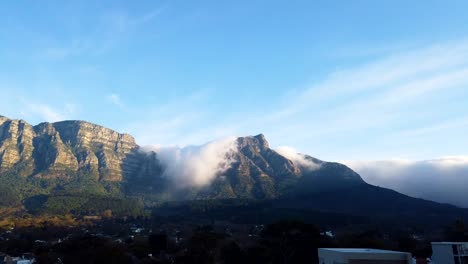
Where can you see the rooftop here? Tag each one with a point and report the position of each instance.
(449, 243)
(362, 250)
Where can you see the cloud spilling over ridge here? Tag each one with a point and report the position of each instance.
(196, 166)
(442, 180)
(297, 158)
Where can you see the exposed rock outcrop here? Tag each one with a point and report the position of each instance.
(62, 149)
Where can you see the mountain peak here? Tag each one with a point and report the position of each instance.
(3, 119)
(262, 141)
(75, 129)
(259, 141)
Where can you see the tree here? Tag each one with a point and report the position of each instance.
(158, 243)
(457, 232)
(107, 213)
(8, 196)
(231, 253)
(292, 242)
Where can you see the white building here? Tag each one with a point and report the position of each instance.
(450, 252)
(17, 260)
(362, 256)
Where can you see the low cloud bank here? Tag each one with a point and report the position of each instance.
(442, 180)
(297, 158)
(196, 166)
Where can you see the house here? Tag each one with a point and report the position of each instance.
(26, 259)
(450, 252)
(362, 256)
(92, 218)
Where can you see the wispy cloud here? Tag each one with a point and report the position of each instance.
(55, 53)
(110, 27)
(45, 104)
(399, 76)
(115, 100)
(442, 180)
(196, 166)
(122, 21)
(46, 112)
(297, 158)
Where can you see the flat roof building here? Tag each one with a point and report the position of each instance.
(362, 256)
(450, 252)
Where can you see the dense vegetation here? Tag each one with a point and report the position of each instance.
(82, 195)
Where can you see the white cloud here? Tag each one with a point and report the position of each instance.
(46, 112)
(196, 166)
(55, 53)
(297, 158)
(120, 21)
(443, 180)
(149, 16)
(70, 108)
(34, 105)
(115, 99)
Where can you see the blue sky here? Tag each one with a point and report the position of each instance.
(340, 80)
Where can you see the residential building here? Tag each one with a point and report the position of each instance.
(450, 252)
(362, 256)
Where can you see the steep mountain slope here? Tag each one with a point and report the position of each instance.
(260, 172)
(16, 146)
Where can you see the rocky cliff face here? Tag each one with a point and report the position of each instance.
(16, 146)
(259, 172)
(63, 149)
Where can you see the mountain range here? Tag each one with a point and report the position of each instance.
(71, 149)
(44, 167)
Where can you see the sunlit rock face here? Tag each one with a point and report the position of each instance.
(16, 146)
(63, 149)
(99, 150)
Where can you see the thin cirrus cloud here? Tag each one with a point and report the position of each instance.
(44, 111)
(442, 180)
(47, 112)
(400, 74)
(47, 105)
(115, 100)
